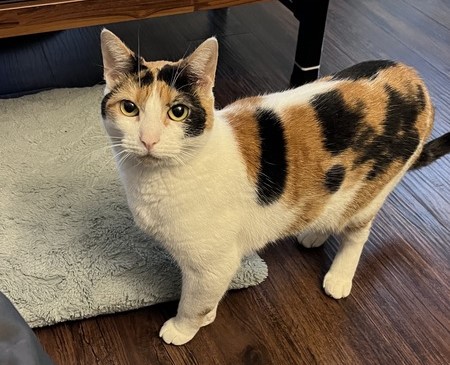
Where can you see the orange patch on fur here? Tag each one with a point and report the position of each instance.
(307, 164)
(241, 116)
(406, 81)
(308, 159)
(372, 100)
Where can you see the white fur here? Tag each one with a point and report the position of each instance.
(281, 100)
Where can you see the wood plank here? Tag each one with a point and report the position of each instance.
(50, 15)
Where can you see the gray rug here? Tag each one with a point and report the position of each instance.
(68, 245)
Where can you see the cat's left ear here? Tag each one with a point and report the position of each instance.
(203, 62)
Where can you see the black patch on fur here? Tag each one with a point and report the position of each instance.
(334, 178)
(140, 73)
(343, 127)
(363, 70)
(399, 139)
(103, 104)
(338, 120)
(177, 76)
(432, 151)
(273, 171)
(195, 124)
(147, 79)
(136, 65)
(420, 98)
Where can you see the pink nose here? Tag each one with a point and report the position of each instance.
(149, 143)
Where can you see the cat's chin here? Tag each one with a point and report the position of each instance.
(151, 160)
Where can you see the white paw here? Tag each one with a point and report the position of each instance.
(337, 286)
(310, 240)
(175, 333)
(210, 317)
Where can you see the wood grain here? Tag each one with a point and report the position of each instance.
(28, 17)
(398, 312)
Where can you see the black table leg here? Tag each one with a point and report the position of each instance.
(312, 15)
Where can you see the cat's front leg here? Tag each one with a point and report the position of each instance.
(206, 277)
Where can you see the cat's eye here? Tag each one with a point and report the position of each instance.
(178, 112)
(128, 108)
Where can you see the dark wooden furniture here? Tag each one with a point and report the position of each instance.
(312, 15)
(37, 16)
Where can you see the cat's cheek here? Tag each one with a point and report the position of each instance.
(174, 134)
(112, 129)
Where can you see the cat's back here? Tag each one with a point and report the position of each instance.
(373, 100)
(366, 88)
(356, 127)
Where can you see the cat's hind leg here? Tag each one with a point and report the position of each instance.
(338, 281)
(312, 239)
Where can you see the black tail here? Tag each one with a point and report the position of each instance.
(432, 151)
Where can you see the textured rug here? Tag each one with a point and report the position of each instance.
(68, 245)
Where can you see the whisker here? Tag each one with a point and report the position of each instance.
(139, 162)
(123, 159)
(178, 73)
(109, 160)
(95, 154)
(103, 137)
(191, 83)
(139, 54)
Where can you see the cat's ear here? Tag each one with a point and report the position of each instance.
(203, 62)
(117, 58)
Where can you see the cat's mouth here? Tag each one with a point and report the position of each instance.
(150, 159)
(155, 157)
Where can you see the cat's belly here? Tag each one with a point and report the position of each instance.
(261, 225)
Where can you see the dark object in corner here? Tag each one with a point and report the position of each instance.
(18, 344)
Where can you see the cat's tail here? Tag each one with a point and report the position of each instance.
(432, 151)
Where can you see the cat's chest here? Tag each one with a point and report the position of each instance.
(173, 205)
(158, 200)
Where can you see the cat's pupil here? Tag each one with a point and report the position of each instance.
(178, 111)
(129, 106)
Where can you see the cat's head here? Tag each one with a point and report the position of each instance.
(158, 112)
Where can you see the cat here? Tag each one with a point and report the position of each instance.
(216, 185)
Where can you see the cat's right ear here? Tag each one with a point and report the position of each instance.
(117, 58)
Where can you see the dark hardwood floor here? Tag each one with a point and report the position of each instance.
(398, 312)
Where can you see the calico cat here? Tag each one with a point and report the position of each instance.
(215, 185)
